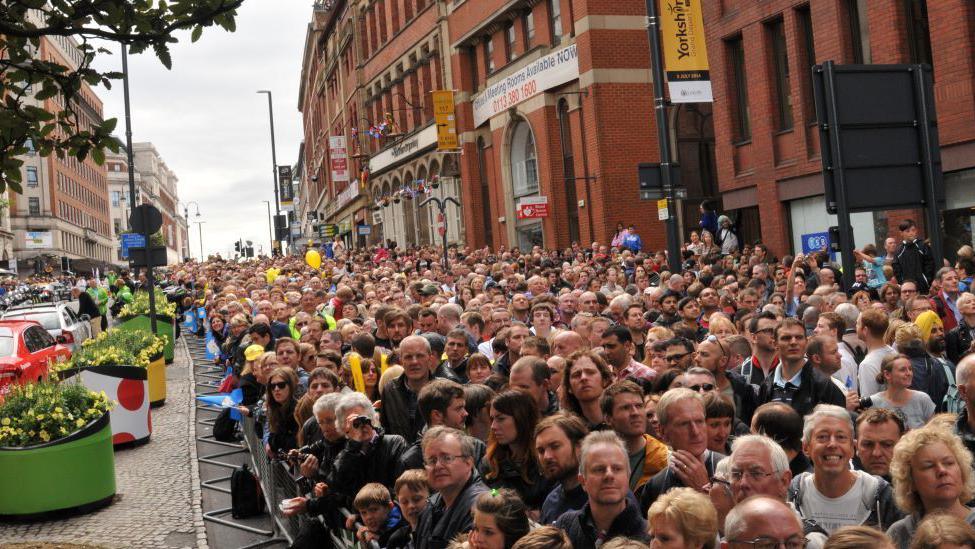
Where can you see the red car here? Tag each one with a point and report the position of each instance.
(27, 351)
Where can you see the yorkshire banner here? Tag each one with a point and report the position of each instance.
(685, 51)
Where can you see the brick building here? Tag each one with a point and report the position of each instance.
(367, 64)
(767, 145)
(63, 210)
(554, 105)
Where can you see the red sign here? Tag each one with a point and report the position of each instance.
(441, 225)
(532, 207)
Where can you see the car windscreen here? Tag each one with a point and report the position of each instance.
(8, 345)
(47, 319)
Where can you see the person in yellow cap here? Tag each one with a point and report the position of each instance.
(933, 373)
(253, 352)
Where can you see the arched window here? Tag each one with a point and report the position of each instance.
(488, 218)
(524, 161)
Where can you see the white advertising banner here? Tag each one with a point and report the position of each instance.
(548, 72)
(339, 155)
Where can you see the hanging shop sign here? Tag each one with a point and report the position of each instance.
(532, 207)
(685, 51)
(339, 158)
(286, 188)
(548, 72)
(443, 115)
(403, 149)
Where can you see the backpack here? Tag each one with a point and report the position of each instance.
(952, 403)
(246, 499)
(859, 353)
(225, 427)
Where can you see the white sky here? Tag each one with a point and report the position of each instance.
(209, 124)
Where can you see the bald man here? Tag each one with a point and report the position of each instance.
(568, 342)
(761, 517)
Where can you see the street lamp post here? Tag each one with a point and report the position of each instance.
(186, 216)
(441, 204)
(270, 223)
(274, 161)
(199, 225)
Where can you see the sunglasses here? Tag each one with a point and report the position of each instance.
(676, 358)
(278, 385)
(703, 387)
(714, 339)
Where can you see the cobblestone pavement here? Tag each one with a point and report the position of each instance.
(157, 503)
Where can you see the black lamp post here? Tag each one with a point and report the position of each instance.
(441, 204)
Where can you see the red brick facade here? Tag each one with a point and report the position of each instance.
(774, 165)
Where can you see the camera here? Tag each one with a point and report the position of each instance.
(360, 422)
(866, 402)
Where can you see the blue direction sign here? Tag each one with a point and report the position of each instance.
(132, 240)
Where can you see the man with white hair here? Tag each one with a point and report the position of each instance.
(370, 454)
(833, 495)
(965, 380)
(604, 473)
(850, 340)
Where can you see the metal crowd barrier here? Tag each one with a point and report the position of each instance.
(278, 483)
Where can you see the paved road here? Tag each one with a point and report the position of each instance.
(158, 499)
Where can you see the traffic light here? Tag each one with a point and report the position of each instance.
(237, 246)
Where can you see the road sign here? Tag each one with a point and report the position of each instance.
(153, 217)
(364, 230)
(132, 240)
(663, 213)
(441, 224)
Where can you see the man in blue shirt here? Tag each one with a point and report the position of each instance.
(632, 240)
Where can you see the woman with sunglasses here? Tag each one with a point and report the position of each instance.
(282, 429)
(511, 461)
(897, 374)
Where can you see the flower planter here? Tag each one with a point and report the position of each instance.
(129, 387)
(156, 373)
(164, 328)
(75, 474)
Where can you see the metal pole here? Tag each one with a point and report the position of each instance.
(931, 213)
(199, 225)
(145, 213)
(663, 133)
(839, 177)
(270, 222)
(274, 161)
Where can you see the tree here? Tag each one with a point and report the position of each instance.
(26, 80)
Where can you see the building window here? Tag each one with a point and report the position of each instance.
(780, 60)
(804, 18)
(31, 176)
(918, 32)
(856, 11)
(510, 37)
(489, 54)
(524, 161)
(116, 198)
(472, 55)
(34, 206)
(739, 92)
(555, 13)
(528, 22)
(485, 192)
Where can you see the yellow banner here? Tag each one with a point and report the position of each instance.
(443, 114)
(685, 51)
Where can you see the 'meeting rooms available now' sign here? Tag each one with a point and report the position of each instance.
(552, 70)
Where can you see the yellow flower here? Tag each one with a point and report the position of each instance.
(5, 421)
(44, 436)
(80, 423)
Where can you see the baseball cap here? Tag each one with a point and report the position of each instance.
(253, 352)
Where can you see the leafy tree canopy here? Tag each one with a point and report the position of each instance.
(26, 80)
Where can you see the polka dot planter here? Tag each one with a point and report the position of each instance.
(128, 386)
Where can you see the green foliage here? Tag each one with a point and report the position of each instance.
(26, 81)
(117, 347)
(41, 412)
(140, 305)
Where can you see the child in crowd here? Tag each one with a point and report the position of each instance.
(412, 492)
(380, 518)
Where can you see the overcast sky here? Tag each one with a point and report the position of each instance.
(209, 124)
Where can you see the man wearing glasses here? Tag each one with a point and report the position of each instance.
(680, 353)
(712, 355)
(795, 381)
(763, 523)
(833, 495)
(448, 458)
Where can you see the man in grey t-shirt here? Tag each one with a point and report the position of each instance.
(871, 327)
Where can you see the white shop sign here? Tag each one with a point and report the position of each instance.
(404, 149)
(548, 72)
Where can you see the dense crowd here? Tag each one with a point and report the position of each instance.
(587, 397)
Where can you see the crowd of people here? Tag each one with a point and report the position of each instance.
(587, 397)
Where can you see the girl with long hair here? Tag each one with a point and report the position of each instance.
(281, 400)
(510, 461)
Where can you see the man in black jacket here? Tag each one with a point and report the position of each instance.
(913, 259)
(448, 457)
(370, 455)
(794, 381)
(604, 471)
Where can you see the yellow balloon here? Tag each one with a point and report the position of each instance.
(271, 274)
(313, 259)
